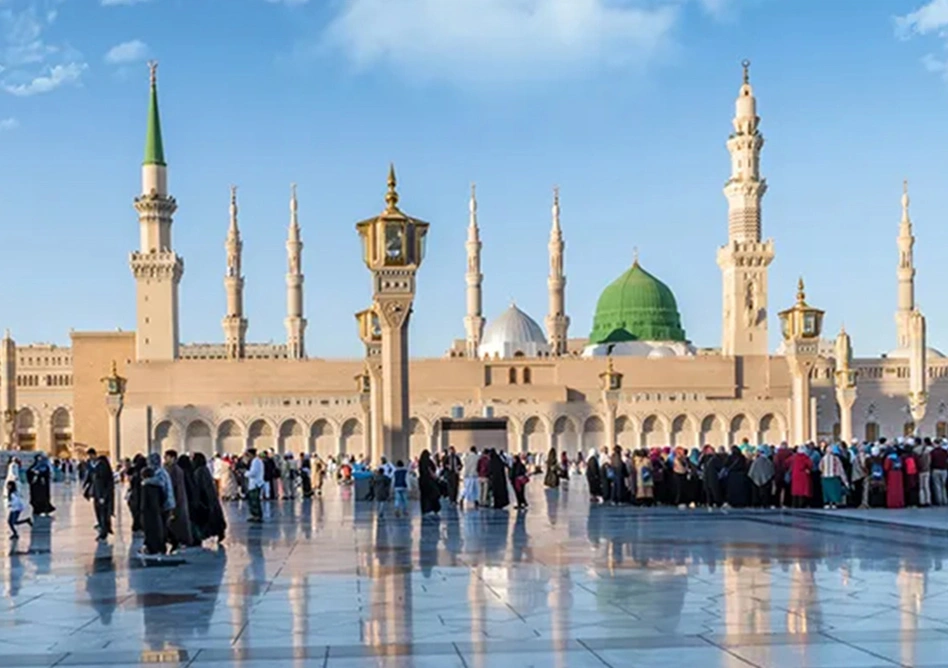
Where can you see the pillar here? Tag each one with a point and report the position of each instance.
(113, 404)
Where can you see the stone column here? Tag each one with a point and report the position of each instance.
(114, 404)
(846, 398)
(800, 421)
(394, 319)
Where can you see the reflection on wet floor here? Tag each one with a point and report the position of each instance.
(324, 582)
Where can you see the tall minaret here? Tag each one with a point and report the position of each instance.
(557, 322)
(155, 266)
(234, 323)
(906, 275)
(295, 322)
(474, 320)
(745, 257)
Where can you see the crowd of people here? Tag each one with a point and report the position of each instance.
(175, 501)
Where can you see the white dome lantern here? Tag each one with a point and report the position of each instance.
(513, 334)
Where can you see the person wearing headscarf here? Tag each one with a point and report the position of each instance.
(519, 479)
(860, 477)
(894, 480)
(833, 477)
(551, 476)
(939, 467)
(133, 497)
(782, 475)
(761, 475)
(713, 470)
(737, 484)
(428, 490)
(923, 458)
(194, 502)
(593, 476)
(102, 490)
(800, 480)
(642, 476)
(209, 516)
(498, 481)
(38, 476)
(179, 528)
(153, 519)
(680, 470)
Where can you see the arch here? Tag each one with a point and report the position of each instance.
(512, 376)
(872, 431)
(654, 432)
(418, 440)
(770, 431)
(683, 432)
(292, 437)
(61, 432)
(167, 436)
(26, 424)
(527, 376)
(534, 436)
(594, 433)
(350, 440)
(565, 435)
(322, 438)
(740, 430)
(941, 429)
(712, 431)
(198, 438)
(230, 438)
(625, 432)
(260, 435)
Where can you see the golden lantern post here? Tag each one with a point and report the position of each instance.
(393, 249)
(370, 332)
(114, 401)
(801, 325)
(610, 383)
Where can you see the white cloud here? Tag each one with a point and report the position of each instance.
(29, 63)
(501, 39)
(8, 124)
(55, 77)
(127, 52)
(930, 17)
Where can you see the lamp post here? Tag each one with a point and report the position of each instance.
(393, 247)
(801, 326)
(610, 384)
(114, 400)
(370, 332)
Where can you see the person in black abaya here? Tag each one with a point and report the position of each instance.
(153, 496)
(134, 494)
(210, 516)
(738, 484)
(429, 491)
(713, 466)
(102, 491)
(619, 489)
(498, 481)
(38, 477)
(593, 476)
(195, 506)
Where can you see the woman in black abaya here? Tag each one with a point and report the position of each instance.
(38, 476)
(428, 489)
(210, 516)
(498, 481)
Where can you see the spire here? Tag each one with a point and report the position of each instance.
(233, 231)
(746, 65)
(635, 256)
(472, 222)
(905, 203)
(556, 208)
(474, 319)
(801, 292)
(294, 214)
(154, 150)
(391, 197)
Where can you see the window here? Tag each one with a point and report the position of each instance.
(512, 376)
(872, 431)
(527, 376)
(941, 430)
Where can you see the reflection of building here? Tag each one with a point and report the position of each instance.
(233, 394)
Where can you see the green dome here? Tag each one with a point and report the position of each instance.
(636, 307)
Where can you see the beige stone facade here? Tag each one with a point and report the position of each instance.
(226, 396)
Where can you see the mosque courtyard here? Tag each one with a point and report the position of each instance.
(327, 583)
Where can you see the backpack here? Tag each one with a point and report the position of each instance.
(878, 473)
(910, 467)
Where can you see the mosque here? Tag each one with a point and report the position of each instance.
(636, 380)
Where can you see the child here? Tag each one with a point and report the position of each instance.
(15, 506)
(400, 488)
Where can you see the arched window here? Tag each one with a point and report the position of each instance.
(512, 376)
(527, 376)
(941, 430)
(872, 432)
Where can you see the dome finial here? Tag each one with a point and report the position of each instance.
(801, 291)
(391, 197)
(635, 255)
(746, 65)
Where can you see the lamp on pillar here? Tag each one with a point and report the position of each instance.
(610, 383)
(393, 247)
(370, 333)
(114, 400)
(801, 325)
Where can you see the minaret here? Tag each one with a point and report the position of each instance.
(295, 322)
(918, 367)
(155, 266)
(474, 320)
(745, 257)
(906, 275)
(557, 322)
(234, 323)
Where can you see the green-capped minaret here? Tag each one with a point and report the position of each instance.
(154, 150)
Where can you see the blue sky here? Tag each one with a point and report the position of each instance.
(624, 104)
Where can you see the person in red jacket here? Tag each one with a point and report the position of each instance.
(800, 468)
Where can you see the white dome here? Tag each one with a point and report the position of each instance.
(661, 351)
(513, 334)
(905, 353)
